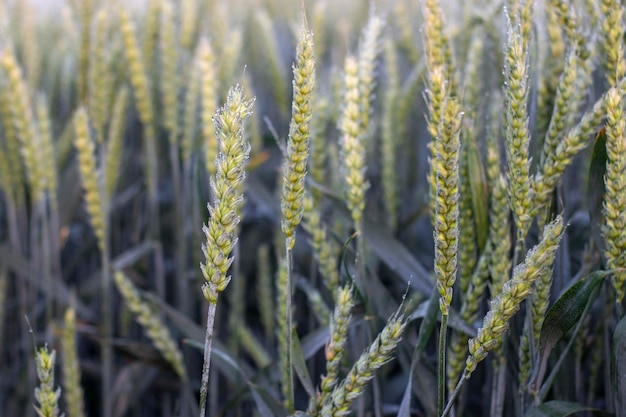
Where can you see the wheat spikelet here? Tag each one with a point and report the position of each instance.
(12, 166)
(552, 64)
(168, 48)
(151, 29)
(551, 170)
(319, 21)
(209, 101)
(22, 115)
(89, 176)
(149, 319)
(352, 147)
(378, 353)
(227, 192)
(612, 40)
(517, 133)
(190, 118)
(46, 396)
(446, 234)
(71, 367)
(84, 15)
(229, 55)
(294, 166)
(189, 22)
(469, 313)
(369, 49)
(614, 205)
(48, 154)
(437, 46)
(562, 104)
(388, 135)
(138, 75)
(506, 304)
(115, 143)
(335, 347)
(100, 77)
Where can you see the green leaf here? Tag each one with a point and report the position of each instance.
(132, 255)
(397, 257)
(454, 320)
(618, 367)
(299, 364)
(427, 327)
(561, 409)
(567, 310)
(130, 386)
(562, 316)
(267, 406)
(479, 194)
(314, 341)
(596, 187)
(317, 339)
(405, 405)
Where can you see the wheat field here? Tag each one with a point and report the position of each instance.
(312, 208)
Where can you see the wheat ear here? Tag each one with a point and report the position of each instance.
(379, 353)
(612, 40)
(45, 395)
(335, 348)
(233, 151)
(71, 367)
(149, 319)
(294, 167)
(508, 302)
(615, 191)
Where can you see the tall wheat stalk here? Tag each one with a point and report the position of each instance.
(294, 173)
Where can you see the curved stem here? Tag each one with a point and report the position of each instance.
(107, 350)
(442, 364)
(499, 384)
(289, 327)
(454, 395)
(208, 343)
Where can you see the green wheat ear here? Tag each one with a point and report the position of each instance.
(614, 205)
(227, 191)
(378, 353)
(508, 302)
(221, 229)
(89, 175)
(335, 348)
(294, 167)
(208, 94)
(71, 367)
(46, 396)
(446, 167)
(352, 147)
(517, 131)
(149, 319)
(22, 115)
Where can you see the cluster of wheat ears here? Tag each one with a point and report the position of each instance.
(480, 140)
